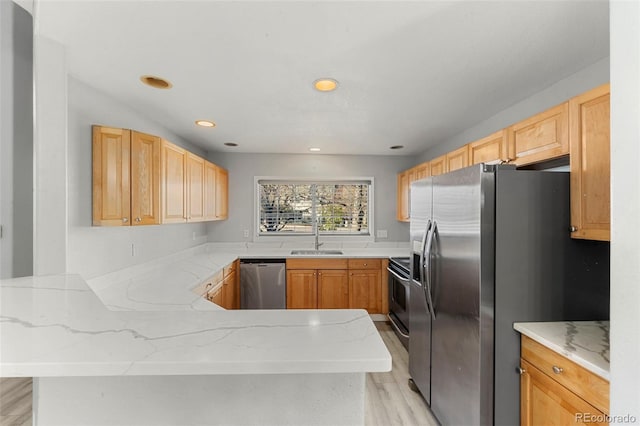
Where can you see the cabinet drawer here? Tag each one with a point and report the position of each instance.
(365, 263)
(230, 268)
(577, 379)
(316, 263)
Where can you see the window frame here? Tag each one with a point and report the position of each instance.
(283, 238)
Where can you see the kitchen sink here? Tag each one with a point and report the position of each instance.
(316, 252)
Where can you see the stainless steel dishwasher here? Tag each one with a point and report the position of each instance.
(263, 284)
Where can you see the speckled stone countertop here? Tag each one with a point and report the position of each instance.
(584, 342)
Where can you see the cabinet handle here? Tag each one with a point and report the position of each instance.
(138, 219)
(573, 229)
(125, 219)
(520, 370)
(365, 264)
(557, 369)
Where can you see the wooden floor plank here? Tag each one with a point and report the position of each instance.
(395, 403)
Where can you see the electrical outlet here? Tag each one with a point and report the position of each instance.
(246, 233)
(381, 233)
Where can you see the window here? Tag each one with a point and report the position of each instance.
(287, 207)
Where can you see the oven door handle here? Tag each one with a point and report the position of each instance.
(404, 280)
(396, 327)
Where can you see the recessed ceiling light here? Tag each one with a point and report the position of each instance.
(231, 144)
(156, 82)
(325, 84)
(314, 149)
(396, 147)
(205, 123)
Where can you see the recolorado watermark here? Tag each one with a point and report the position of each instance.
(604, 418)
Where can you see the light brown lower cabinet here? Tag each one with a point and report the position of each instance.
(338, 285)
(333, 289)
(224, 288)
(556, 391)
(302, 289)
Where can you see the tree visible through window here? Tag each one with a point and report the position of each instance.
(293, 208)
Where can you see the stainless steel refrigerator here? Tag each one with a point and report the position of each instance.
(490, 246)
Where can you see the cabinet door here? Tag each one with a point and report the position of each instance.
(402, 212)
(489, 150)
(173, 183)
(438, 165)
(422, 171)
(458, 159)
(145, 179)
(217, 296)
(364, 290)
(209, 191)
(230, 291)
(302, 289)
(590, 165)
(333, 289)
(541, 137)
(222, 193)
(195, 188)
(543, 401)
(111, 184)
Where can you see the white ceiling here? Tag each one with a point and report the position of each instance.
(410, 73)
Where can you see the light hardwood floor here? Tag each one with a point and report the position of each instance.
(388, 400)
(15, 402)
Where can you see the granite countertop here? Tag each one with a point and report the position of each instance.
(584, 342)
(147, 320)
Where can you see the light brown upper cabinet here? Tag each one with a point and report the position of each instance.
(222, 193)
(489, 150)
(141, 179)
(438, 165)
(174, 195)
(195, 188)
(145, 179)
(458, 159)
(422, 170)
(589, 137)
(402, 210)
(111, 172)
(210, 191)
(541, 137)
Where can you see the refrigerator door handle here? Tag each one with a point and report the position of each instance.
(426, 268)
(422, 250)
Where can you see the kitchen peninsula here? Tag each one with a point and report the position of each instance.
(181, 360)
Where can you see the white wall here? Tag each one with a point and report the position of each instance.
(243, 167)
(588, 78)
(625, 209)
(16, 136)
(94, 250)
(50, 157)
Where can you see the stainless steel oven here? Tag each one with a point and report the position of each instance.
(399, 297)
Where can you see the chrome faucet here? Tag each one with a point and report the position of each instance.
(317, 234)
